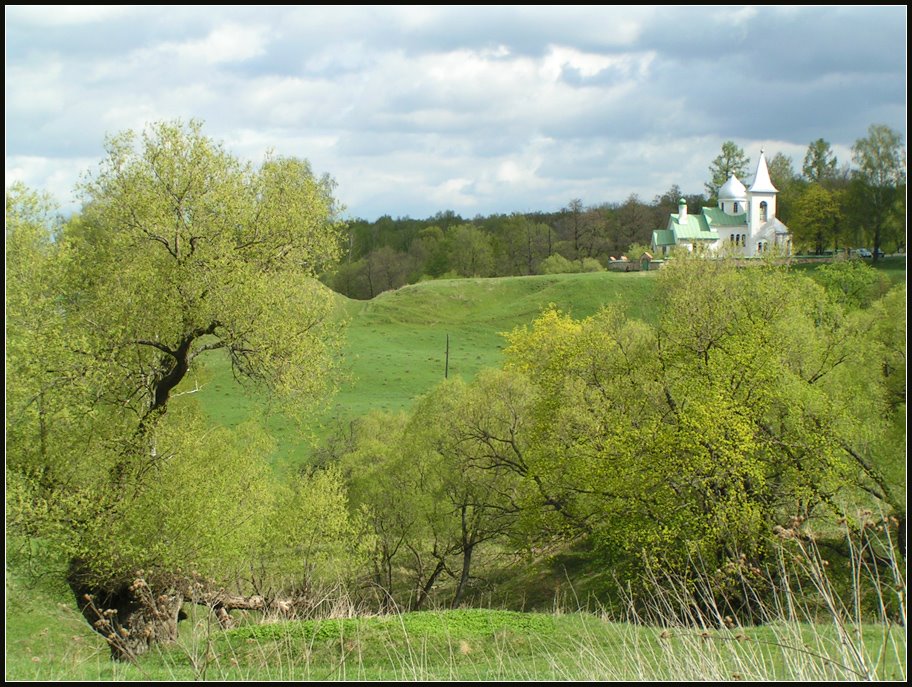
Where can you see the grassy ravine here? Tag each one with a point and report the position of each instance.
(395, 344)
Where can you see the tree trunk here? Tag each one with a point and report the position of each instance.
(464, 577)
(130, 616)
(425, 590)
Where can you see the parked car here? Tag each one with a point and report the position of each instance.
(863, 253)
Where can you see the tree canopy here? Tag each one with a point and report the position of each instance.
(880, 179)
(180, 250)
(819, 162)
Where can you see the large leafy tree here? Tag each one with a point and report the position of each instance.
(180, 249)
(437, 487)
(880, 178)
(472, 435)
(520, 245)
(471, 252)
(816, 217)
(691, 440)
(397, 491)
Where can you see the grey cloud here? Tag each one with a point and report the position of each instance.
(351, 83)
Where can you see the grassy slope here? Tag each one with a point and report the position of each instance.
(395, 344)
(395, 347)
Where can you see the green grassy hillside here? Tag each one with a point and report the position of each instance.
(395, 344)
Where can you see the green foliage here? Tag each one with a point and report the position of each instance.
(781, 171)
(434, 486)
(731, 160)
(880, 157)
(881, 180)
(590, 265)
(471, 254)
(557, 264)
(816, 217)
(820, 162)
(186, 242)
(394, 492)
(636, 250)
(199, 507)
(688, 441)
(869, 415)
(520, 244)
(851, 283)
(180, 249)
(310, 539)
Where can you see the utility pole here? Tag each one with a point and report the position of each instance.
(446, 369)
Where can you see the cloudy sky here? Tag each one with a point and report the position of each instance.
(414, 110)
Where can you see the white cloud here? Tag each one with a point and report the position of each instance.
(130, 116)
(57, 176)
(587, 64)
(737, 15)
(227, 43)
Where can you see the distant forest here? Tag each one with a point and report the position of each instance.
(389, 253)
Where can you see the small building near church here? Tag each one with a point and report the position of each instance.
(744, 222)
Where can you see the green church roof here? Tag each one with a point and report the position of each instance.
(693, 227)
(716, 218)
(663, 237)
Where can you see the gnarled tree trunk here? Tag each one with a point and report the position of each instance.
(129, 615)
(132, 616)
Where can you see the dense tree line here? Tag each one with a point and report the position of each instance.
(388, 253)
(831, 206)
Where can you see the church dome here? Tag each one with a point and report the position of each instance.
(733, 190)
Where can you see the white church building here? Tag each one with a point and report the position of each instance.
(745, 222)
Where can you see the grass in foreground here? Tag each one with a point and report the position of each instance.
(486, 645)
(810, 632)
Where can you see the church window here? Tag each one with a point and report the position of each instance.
(763, 210)
(743, 239)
